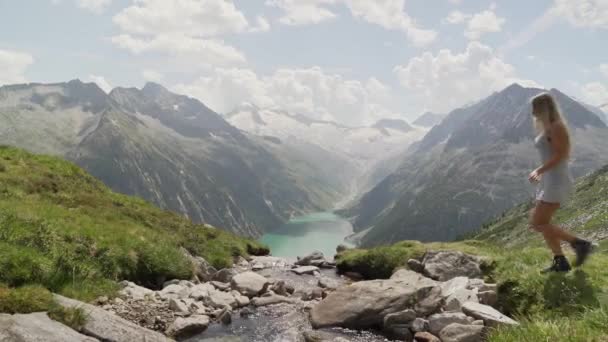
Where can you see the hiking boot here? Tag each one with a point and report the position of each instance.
(560, 264)
(583, 249)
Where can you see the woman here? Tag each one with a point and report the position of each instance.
(553, 143)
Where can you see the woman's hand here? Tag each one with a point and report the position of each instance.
(535, 176)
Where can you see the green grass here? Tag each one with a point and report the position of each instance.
(26, 299)
(64, 230)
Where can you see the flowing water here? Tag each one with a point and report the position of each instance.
(321, 232)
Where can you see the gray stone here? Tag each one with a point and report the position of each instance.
(409, 277)
(341, 248)
(177, 289)
(462, 333)
(201, 291)
(445, 265)
(108, 327)
(225, 275)
(220, 286)
(184, 328)
(322, 336)
(365, 304)
(170, 282)
(219, 299)
(478, 322)
(225, 317)
(307, 260)
(402, 317)
(476, 284)
(415, 265)
(241, 300)
(279, 288)
(455, 301)
(488, 314)
(135, 292)
(37, 327)
(439, 321)
(249, 284)
(426, 337)
(202, 269)
(328, 283)
(455, 284)
(305, 270)
(420, 325)
(400, 332)
(488, 298)
(270, 300)
(179, 306)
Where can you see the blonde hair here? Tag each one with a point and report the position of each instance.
(545, 108)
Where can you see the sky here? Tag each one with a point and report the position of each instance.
(350, 61)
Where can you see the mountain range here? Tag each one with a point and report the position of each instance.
(172, 150)
(428, 119)
(469, 168)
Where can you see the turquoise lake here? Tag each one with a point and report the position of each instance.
(302, 235)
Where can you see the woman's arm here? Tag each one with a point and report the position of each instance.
(560, 144)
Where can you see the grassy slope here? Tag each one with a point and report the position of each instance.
(64, 230)
(572, 307)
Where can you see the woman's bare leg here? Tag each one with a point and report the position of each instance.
(541, 222)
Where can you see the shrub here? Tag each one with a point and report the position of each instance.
(26, 299)
(74, 318)
(379, 262)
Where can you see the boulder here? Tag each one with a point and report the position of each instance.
(249, 284)
(420, 325)
(270, 300)
(322, 336)
(279, 288)
(305, 270)
(179, 290)
(455, 301)
(439, 321)
(202, 269)
(402, 317)
(219, 299)
(397, 325)
(37, 327)
(225, 275)
(426, 337)
(410, 277)
(184, 328)
(220, 286)
(365, 304)
(225, 317)
(445, 265)
(109, 327)
(131, 290)
(241, 301)
(201, 291)
(415, 265)
(488, 298)
(309, 259)
(328, 283)
(178, 306)
(462, 333)
(488, 314)
(455, 284)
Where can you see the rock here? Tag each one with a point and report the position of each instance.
(365, 304)
(431, 301)
(403, 317)
(179, 306)
(322, 336)
(445, 265)
(241, 301)
(186, 283)
(171, 282)
(225, 275)
(131, 290)
(488, 298)
(400, 332)
(202, 269)
(220, 286)
(305, 270)
(257, 267)
(420, 325)
(219, 299)
(328, 283)
(425, 337)
(242, 262)
(411, 277)
(455, 301)
(439, 321)
(476, 284)
(225, 317)
(249, 284)
(279, 288)
(415, 265)
(307, 260)
(197, 308)
(488, 314)
(108, 327)
(177, 289)
(201, 291)
(103, 300)
(269, 262)
(479, 322)
(184, 328)
(453, 285)
(37, 327)
(245, 312)
(489, 287)
(270, 300)
(341, 248)
(462, 333)
(354, 276)
(290, 288)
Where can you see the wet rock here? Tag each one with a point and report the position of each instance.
(37, 327)
(462, 333)
(184, 328)
(225, 275)
(241, 300)
(439, 321)
(488, 298)
(108, 327)
(245, 312)
(415, 265)
(488, 314)
(225, 317)
(365, 304)
(270, 300)
(445, 265)
(249, 284)
(305, 270)
(279, 288)
(426, 337)
(420, 325)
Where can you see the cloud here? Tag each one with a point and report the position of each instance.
(477, 24)
(262, 25)
(303, 12)
(101, 82)
(595, 93)
(13, 65)
(455, 2)
(310, 91)
(449, 80)
(185, 30)
(604, 69)
(152, 75)
(584, 13)
(95, 6)
(389, 14)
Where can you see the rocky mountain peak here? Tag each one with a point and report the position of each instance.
(396, 124)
